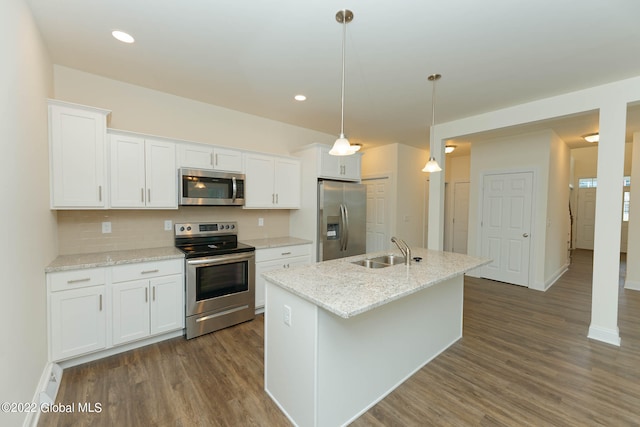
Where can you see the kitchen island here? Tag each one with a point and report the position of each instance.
(339, 336)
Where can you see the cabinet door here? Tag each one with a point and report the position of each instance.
(227, 160)
(77, 143)
(127, 172)
(351, 167)
(78, 322)
(161, 174)
(259, 191)
(195, 156)
(167, 304)
(330, 166)
(130, 310)
(287, 183)
(263, 267)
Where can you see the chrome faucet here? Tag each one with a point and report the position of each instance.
(404, 248)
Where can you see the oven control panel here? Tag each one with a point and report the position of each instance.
(206, 228)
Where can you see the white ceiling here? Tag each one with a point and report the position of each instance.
(254, 56)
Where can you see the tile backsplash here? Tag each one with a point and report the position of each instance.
(81, 231)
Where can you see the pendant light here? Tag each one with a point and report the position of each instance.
(432, 165)
(342, 147)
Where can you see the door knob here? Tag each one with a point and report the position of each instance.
(525, 234)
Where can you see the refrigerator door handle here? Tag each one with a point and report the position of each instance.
(346, 227)
(343, 226)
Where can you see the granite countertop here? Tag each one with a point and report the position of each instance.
(104, 259)
(347, 290)
(276, 242)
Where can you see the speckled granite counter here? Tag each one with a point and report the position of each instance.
(276, 242)
(103, 259)
(347, 290)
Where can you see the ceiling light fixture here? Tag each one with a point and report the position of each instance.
(300, 98)
(122, 36)
(449, 149)
(592, 137)
(432, 165)
(342, 147)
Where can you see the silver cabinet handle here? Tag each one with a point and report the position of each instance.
(285, 253)
(86, 279)
(149, 271)
(99, 193)
(100, 304)
(276, 198)
(146, 294)
(154, 293)
(525, 235)
(216, 162)
(142, 195)
(211, 159)
(149, 195)
(273, 198)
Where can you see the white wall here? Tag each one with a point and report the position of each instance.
(556, 253)
(139, 109)
(29, 228)
(457, 169)
(632, 280)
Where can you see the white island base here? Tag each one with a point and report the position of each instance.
(326, 370)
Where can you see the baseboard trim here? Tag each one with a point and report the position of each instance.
(555, 277)
(46, 392)
(632, 284)
(609, 336)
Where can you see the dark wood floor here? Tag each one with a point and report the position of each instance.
(524, 359)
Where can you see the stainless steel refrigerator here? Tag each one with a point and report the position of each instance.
(341, 219)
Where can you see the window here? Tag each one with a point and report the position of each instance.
(625, 206)
(593, 182)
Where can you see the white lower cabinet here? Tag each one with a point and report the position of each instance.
(96, 309)
(277, 258)
(77, 312)
(148, 306)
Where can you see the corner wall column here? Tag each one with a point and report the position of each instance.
(606, 254)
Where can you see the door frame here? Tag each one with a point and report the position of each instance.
(534, 230)
(391, 219)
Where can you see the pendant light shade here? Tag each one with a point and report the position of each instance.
(432, 165)
(342, 147)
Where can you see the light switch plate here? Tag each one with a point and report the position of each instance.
(168, 224)
(106, 227)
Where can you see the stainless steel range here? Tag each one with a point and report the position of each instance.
(220, 276)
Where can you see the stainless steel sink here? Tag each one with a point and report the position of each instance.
(389, 259)
(381, 261)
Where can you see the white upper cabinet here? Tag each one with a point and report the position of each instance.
(143, 173)
(345, 168)
(271, 182)
(202, 156)
(77, 155)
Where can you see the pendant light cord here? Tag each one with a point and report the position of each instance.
(344, 37)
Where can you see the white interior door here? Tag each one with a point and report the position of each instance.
(586, 218)
(506, 226)
(378, 225)
(460, 219)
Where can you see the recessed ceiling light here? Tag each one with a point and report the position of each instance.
(300, 98)
(122, 36)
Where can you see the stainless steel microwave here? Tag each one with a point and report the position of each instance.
(210, 188)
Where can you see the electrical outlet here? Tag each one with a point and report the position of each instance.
(168, 225)
(260, 222)
(106, 227)
(286, 315)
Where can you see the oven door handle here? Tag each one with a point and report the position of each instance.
(222, 259)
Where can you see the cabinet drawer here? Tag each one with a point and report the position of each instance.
(282, 252)
(65, 280)
(146, 270)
